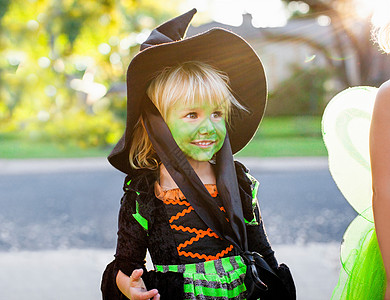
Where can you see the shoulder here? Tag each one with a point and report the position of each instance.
(248, 187)
(385, 88)
(243, 175)
(381, 113)
(242, 171)
(138, 187)
(141, 182)
(382, 100)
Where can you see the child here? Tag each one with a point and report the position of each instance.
(185, 200)
(380, 164)
(365, 252)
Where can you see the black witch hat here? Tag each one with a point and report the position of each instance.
(217, 47)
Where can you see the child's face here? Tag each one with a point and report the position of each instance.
(199, 131)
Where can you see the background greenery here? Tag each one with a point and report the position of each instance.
(60, 65)
(63, 62)
(287, 136)
(277, 136)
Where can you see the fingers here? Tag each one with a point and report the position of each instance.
(150, 294)
(136, 279)
(141, 295)
(137, 287)
(136, 275)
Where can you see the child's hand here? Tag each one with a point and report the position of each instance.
(133, 287)
(137, 290)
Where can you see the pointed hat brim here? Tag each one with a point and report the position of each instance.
(218, 47)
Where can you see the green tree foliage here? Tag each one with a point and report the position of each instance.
(61, 62)
(305, 92)
(3, 7)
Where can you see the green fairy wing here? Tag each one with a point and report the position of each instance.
(345, 129)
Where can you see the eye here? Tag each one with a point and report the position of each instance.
(191, 115)
(217, 114)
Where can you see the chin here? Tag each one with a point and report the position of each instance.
(202, 158)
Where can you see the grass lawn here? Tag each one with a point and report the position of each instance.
(281, 136)
(277, 147)
(287, 136)
(13, 146)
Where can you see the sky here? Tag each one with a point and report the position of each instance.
(265, 13)
(274, 13)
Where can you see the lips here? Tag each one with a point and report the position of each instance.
(203, 143)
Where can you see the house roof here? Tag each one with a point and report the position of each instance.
(306, 28)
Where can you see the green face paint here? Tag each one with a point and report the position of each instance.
(198, 131)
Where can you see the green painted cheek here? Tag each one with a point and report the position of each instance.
(181, 134)
(184, 133)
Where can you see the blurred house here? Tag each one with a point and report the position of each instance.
(281, 47)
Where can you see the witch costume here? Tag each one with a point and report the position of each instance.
(205, 241)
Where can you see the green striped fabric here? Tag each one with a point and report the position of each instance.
(216, 279)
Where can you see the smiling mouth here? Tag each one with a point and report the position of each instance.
(203, 144)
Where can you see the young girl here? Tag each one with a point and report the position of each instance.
(380, 162)
(365, 252)
(185, 200)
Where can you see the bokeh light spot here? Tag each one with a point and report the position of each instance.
(44, 62)
(115, 58)
(32, 25)
(104, 48)
(323, 20)
(50, 90)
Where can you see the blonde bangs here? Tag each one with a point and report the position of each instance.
(192, 83)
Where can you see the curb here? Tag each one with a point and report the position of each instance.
(61, 165)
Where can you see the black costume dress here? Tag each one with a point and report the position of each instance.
(145, 222)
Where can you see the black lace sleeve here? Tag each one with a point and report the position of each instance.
(132, 237)
(130, 252)
(258, 241)
(257, 236)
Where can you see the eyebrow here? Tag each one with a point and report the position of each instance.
(218, 107)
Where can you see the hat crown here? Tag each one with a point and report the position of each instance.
(170, 31)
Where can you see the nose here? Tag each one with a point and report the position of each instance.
(206, 127)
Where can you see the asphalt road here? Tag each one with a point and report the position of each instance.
(59, 204)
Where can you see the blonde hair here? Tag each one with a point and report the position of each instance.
(382, 37)
(191, 82)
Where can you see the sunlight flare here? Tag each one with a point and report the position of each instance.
(377, 9)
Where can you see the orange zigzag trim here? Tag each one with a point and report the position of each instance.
(174, 202)
(200, 235)
(180, 214)
(222, 209)
(207, 257)
(194, 230)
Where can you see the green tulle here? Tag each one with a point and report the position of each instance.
(362, 276)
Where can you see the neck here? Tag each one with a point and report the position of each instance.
(203, 169)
